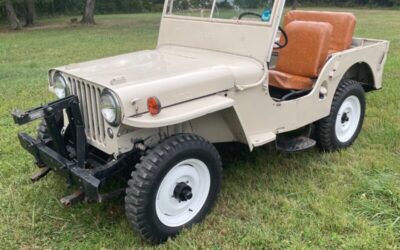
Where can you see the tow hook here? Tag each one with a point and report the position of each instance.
(70, 200)
(40, 174)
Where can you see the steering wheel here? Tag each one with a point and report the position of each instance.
(278, 44)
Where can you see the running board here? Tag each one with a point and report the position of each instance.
(294, 144)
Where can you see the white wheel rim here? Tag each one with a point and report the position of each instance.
(170, 210)
(347, 119)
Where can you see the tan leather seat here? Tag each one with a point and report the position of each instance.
(343, 25)
(303, 57)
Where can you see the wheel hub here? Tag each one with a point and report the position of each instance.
(183, 192)
(348, 119)
(345, 118)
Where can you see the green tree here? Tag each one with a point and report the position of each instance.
(13, 20)
(88, 13)
(30, 12)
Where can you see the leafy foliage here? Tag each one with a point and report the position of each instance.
(57, 7)
(53, 7)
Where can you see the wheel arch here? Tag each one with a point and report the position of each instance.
(180, 112)
(212, 117)
(362, 72)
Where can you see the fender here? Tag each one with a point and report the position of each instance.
(373, 53)
(181, 112)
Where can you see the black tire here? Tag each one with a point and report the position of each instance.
(140, 200)
(42, 131)
(325, 131)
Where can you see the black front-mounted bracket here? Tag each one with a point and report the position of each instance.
(52, 113)
(55, 154)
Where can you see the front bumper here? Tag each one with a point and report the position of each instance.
(82, 178)
(67, 153)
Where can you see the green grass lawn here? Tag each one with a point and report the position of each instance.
(349, 199)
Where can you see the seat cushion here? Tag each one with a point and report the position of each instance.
(307, 49)
(332, 51)
(343, 25)
(284, 80)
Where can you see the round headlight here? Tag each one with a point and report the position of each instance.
(60, 86)
(110, 108)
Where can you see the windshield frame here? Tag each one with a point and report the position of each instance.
(167, 13)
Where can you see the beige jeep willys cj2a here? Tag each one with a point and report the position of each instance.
(223, 71)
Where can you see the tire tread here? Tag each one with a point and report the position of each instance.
(146, 172)
(323, 128)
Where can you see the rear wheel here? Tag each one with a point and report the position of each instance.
(174, 186)
(342, 127)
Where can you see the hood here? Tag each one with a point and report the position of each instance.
(172, 74)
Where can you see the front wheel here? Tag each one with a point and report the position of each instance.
(174, 186)
(341, 128)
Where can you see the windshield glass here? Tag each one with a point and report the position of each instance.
(254, 10)
(196, 8)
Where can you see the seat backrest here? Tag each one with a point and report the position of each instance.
(307, 50)
(343, 24)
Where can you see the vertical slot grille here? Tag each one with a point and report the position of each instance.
(89, 98)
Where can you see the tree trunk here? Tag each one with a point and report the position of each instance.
(30, 15)
(295, 4)
(88, 14)
(15, 24)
